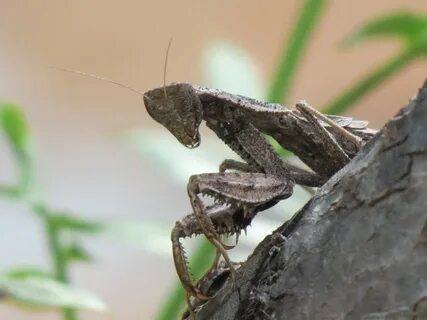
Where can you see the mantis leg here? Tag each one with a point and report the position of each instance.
(225, 219)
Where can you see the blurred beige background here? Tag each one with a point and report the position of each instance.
(75, 121)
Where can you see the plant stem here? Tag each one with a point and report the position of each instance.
(371, 81)
(174, 304)
(200, 262)
(59, 263)
(293, 50)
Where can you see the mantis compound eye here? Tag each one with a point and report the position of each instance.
(178, 108)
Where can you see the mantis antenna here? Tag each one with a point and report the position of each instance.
(166, 66)
(94, 76)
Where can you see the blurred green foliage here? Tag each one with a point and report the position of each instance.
(409, 28)
(14, 125)
(46, 289)
(29, 288)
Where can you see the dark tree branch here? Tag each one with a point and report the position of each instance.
(357, 250)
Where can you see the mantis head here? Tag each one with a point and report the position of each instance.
(178, 108)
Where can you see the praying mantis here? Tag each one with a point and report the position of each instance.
(242, 189)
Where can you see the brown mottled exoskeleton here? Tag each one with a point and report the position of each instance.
(324, 143)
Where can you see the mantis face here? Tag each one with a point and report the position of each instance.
(178, 108)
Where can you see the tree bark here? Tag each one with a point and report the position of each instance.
(358, 248)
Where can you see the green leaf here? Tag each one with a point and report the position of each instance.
(27, 272)
(75, 252)
(15, 126)
(372, 80)
(47, 293)
(9, 191)
(407, 26)
(77, 224)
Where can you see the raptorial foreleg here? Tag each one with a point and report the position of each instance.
(226, 220)
(300, 176)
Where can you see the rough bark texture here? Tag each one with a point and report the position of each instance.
(357, 250)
